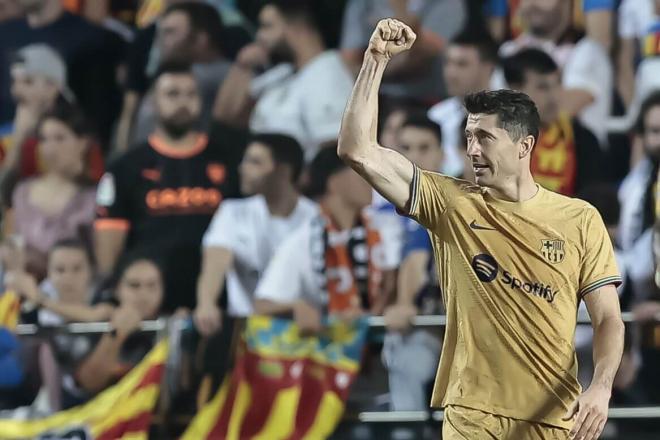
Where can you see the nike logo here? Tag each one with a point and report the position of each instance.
(474, 225)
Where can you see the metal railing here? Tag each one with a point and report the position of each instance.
(160, 324)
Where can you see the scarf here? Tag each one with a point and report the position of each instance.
(344, 262)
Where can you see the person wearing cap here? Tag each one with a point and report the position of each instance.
(38, 80)
(92, 55)
(39, 84)
(332, 264)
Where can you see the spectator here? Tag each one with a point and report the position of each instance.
(635, 18)
(469, 64)
(587, 76)
(244, 234)
(68, 287)
(90, 52)
(59, 203)
(332, 264)
(592, 16)
(192, 33)
(636, 195)
(162, 194)
(38, 82)
(567, 157)
(416, 73)
(93, 363)
(303, 95)
(418, 292)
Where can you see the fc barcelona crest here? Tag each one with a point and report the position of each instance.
(553, 250)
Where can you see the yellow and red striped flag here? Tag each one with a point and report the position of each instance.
(123, 411)
(284, 385)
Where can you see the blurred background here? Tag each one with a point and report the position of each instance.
(170, 160)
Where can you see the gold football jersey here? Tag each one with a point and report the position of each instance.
(512, 275)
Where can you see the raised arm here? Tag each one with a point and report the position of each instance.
(386, 170)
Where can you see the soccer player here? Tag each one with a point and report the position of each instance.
(514, 262)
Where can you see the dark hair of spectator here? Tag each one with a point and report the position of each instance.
(76, 244)
(604, 198)
(71, 116)
(482, 42)
(203, 18)
(172, 68)
(106, 290)
(419, 119)
(284, 149)
(516, 112)
(653, 100)
(297, 10)
(527, 60)
(325, 164)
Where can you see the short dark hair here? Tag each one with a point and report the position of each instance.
(535, 60)
(325, 164)
(604, 197)
(516, 112)
(302, 10)
(203, 18)
(420, 119)
(482, 42)
(172, 68)
(284, 149)
(653, 100)
(74, 243)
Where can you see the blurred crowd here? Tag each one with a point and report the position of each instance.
(167, 157)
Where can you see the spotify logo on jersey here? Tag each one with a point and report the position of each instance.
(485, 267)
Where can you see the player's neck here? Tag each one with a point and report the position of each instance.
(281, 200)
(515, 190)
(342, 214)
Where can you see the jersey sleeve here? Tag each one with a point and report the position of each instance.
(285, 279)
(430, 196)
(598, 267)
(113, 200)
(222, 230)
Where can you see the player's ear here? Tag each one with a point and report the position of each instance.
(526, 146)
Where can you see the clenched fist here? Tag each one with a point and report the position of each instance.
(390, 38)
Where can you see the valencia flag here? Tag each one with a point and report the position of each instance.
(284, 385)
(123, 411)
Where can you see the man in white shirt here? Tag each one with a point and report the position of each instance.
(334, 263)
(587, 73)
(245, 233)
(305, 88)
(469, 64)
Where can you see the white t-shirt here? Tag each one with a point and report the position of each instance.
(589, 68)
(449, 114)
(307, 105)
(635, 18)
(248, 229)
(292, 275)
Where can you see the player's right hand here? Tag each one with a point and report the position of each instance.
(208, 319)
(391, 37)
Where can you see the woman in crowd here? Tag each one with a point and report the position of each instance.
(58, 203)
(93, 363)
